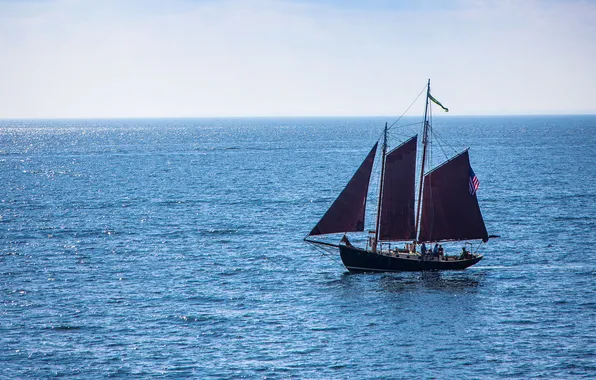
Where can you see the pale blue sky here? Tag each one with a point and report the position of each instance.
(187, 58)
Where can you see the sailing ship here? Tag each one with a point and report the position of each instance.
(447, 210)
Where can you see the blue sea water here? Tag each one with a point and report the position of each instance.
(173, 248)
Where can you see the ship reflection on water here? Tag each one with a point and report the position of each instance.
(432, 280)
(429, 280)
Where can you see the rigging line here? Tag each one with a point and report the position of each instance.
(401, 136)
(439, 144)
(394, 132)
(399, 133)
(379, 139)
(442, 140)
(430, 137)
(477, 247)
(326, 253)
(409, 125)
(407, 109)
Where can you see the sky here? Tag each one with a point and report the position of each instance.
(206, 58)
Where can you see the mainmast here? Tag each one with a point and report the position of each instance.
(424, 144)
(374, 246)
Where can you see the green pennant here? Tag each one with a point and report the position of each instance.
(438, 103)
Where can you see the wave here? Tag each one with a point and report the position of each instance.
(217, 232)
(66, 328)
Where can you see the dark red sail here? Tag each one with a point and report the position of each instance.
(346, 214)
(449, 210)
(397, 211)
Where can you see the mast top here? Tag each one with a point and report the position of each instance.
(385, 137)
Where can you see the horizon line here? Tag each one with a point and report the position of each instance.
(288, 116)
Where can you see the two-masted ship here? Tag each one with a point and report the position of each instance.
(447, 210)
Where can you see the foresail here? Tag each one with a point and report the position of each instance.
(346, 214)
(449, 210)
(397, 211)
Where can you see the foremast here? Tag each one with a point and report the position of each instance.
(423, 162)
(380, 204)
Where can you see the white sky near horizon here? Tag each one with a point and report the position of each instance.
(197, 58)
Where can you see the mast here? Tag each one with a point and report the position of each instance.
(424, 144)
(374, 247)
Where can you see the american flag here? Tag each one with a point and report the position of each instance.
(474, 183)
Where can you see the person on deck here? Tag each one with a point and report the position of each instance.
(441, 252)
(423, 249)
(464, 254)
(436, 250)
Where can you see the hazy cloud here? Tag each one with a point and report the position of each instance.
(79, 58)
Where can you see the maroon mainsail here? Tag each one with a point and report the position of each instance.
(449, 211)
(397, 213)
(346, 214)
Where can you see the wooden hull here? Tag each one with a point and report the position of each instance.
(360, 260)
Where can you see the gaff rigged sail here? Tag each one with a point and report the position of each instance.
(346, 214)
(449, 211)
(397, 211)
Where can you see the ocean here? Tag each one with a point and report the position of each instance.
(173, 248)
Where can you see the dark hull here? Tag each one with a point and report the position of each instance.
(360, 260)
